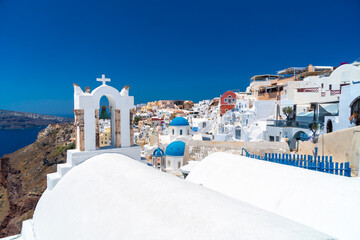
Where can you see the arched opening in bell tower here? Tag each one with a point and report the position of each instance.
(104, 115)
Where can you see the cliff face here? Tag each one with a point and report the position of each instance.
(23, 175)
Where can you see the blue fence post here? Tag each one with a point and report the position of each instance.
(327, 167)
(331, 167)
(290, 159)
(298, 161)
(347, 169)
(337, 168)
(304, 161)
(321, 166)
(341, 169)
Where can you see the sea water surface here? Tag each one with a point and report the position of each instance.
(12, 140)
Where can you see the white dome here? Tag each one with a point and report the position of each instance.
(111, 196)
(346, 72)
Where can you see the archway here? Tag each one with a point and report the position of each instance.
(355, 105)
(355, 111)
(104, 124)
(300, 135)
(329, 126)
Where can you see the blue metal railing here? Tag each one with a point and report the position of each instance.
(320, 163)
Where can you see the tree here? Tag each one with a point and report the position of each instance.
(287, 111)
(314, 127)
(136, 120)
(104, 114)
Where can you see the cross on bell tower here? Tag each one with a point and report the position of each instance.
(103, 79)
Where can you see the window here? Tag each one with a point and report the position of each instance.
(188, 132)
(225, 100)
(168, 162)
(180, 131)
(173, 132)
(322, 85)
(271, 138)
(277, 138)
(330, 87)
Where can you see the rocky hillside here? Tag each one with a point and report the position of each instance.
(18, 120)
(23, 175)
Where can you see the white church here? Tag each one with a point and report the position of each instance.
(171, 160)
(107, 193)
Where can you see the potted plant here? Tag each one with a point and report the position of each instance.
(314, 127)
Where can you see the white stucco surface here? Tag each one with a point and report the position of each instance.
(349, 94)
(326, 202)
(111, 196)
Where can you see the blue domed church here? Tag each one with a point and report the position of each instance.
(174, 155)
(158, 159)
(179, 129)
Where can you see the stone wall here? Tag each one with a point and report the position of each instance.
(342, 145)
(198, 150)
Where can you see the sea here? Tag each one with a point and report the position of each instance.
(13, 140)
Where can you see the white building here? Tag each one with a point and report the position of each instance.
(174, 155)
(321, 89)
(259, 80)
(348, 104)
(179, 129)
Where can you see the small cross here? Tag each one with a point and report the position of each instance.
(103, 79)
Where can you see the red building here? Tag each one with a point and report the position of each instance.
(227, 101)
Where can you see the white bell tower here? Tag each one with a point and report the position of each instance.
(86, 109)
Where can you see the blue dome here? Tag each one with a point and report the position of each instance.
(176, 148)
(158, 152)
(179, 121)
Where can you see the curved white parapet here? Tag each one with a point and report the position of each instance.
(111, 196)
(75, 157)
(326, 202)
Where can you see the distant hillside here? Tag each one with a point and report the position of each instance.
(23, 175)
(20, 120)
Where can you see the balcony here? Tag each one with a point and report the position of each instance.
(284, 123)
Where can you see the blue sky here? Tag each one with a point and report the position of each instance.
(163, 49)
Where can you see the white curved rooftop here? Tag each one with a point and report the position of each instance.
(346, 72)
(111, 196)
(326, 202)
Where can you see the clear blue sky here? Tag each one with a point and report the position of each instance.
(163, 49)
